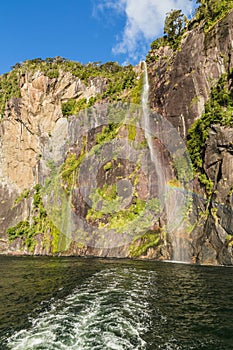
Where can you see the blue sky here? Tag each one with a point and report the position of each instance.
(81, 30)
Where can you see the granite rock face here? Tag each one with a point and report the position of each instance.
(38, 145)
(214, 244)
(33, 125)
(181, 81)
(69, 156)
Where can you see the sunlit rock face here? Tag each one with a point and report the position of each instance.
(88, 190)
(30, 121)
(99, 190)
(33, 131)
(83, 184)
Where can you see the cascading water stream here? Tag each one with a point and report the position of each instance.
(149, 137)
(172, 201)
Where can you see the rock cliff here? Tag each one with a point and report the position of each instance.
(55, 198)
(181, 81)
(181, 85)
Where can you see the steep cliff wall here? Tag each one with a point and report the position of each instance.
(80, 184)
(55, 198)
(181, 79)
(182, 82)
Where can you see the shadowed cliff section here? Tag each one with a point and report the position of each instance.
(181, 79)
(192, 87)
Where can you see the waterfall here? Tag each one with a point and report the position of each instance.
(183, 125)
(148, 134)
(172, 200)
(145, 93)
(66, 222)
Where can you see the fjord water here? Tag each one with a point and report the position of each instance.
(79, 303)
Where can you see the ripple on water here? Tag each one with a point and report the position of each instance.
(136, 306)
(109, 311)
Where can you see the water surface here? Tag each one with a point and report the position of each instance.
(78, 303)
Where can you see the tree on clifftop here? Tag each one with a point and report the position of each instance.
(175, 22)
(212, 10)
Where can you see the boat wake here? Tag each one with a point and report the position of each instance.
(109, 311)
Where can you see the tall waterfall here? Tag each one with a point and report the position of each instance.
(173, 201)
(148, 134)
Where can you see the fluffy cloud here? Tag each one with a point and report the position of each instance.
(144, 22)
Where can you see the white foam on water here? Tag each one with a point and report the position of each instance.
(177, 262)
(109, 311)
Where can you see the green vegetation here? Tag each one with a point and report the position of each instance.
(141, 244)
(9, 88)
(211, 11)
(132, 132)
(106, 204)
(73, 106)
(52, 66)
(136, 92)
(195, 100)
(119, 84)
(174, 25)
(21, 197)
(157, 43)
(108, 133)
(106, 209)
(107, 166)
(39, 224)
(229, 240)
(113, 217)
(104, 201)
(122, 219)
(119, 80)
(20, 230)
(70, 166)
(218, 110)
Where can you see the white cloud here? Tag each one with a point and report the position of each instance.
(144, 22)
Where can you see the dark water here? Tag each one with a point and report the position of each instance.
(74, 303)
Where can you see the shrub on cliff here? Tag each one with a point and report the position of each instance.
(174, 25)
(218, 110)
(211, 11)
